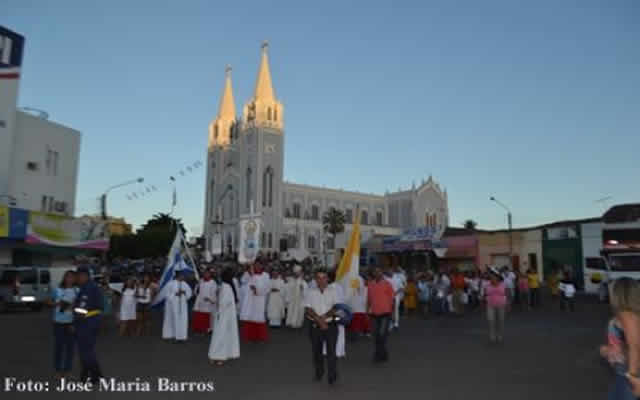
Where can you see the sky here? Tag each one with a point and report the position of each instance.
(535, 103)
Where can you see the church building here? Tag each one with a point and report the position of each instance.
(245, 166)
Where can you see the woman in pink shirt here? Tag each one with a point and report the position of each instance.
(496, 296)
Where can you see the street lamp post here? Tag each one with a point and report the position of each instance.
(103, 198)
(509, 221)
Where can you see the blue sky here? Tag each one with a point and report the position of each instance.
(537, 103)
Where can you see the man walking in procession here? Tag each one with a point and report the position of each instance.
(176, 309)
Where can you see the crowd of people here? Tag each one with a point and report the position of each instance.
(230, 302)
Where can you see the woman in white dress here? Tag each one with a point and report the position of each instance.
(128, 308)
(225, 343)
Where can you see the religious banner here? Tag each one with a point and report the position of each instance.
(58, 230)
(249, 240)
(216, 244)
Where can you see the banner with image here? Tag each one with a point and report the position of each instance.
(57, 230)
(249, 240)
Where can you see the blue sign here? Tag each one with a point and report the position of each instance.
(11, 47)
(18, 219)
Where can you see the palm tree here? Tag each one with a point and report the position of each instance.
(333, 223)
(470, 224)
(162, 221)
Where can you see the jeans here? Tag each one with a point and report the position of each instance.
(381, 333)
(495, 316)
(567, 301)
(318, 338)
(87, 335)
(63, 347)
(621, 389)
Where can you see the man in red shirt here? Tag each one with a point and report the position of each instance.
(380, 306)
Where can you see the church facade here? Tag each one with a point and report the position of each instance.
(245, 168)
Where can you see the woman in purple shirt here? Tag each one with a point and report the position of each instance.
(496, 296)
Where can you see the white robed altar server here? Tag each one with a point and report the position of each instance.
(243, 285)
(205, 305)
(252, 313)
(341, 342)
(176, 309)
(225, 343)
(296, 290)
(275, 301)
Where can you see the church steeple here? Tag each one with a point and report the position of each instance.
(220, 127)
(264, 88)
(227, 108)
(264, 109)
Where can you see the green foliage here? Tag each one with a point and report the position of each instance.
(470, 224)
(333, 221)
(153, 239)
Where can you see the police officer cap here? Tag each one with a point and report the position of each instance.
(82, 270)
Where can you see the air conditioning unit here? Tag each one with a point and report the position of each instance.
(60, 206)
(32, 166)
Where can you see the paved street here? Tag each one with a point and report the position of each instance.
(547, 355)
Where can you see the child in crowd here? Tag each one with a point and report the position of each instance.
(567, 293)
(128, 308)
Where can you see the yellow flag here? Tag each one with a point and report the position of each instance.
(349, 269)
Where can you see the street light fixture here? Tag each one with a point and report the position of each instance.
(509, 220)
(103, 198)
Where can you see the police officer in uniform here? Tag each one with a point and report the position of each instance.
(319, 309)
(87, 310)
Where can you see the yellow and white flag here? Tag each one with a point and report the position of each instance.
(349, 269)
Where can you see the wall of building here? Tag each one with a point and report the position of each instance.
(44, 165)
(493, 247)
(530, 251)
(591, 235)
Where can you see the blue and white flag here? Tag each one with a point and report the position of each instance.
(175, 263)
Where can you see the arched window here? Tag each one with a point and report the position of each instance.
(365, 217)
(315, 212)
(379, 218)
(267, 187)
(215, 131)
(296, 210)
(270, 242)
(348, 216)
(269, 114)
(275, 114)
(249, 173)
(311, 242)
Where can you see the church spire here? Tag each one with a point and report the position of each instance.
(264, 89)
(227, 110)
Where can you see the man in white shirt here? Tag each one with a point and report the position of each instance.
(319, 303)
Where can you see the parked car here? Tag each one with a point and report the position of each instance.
(24, 287)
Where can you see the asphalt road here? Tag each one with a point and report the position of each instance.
(547, 354)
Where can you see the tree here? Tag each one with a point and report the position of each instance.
(333, 221)
(470, 224)
(162, 222)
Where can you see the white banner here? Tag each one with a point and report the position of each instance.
(249, 240)
(216, 244)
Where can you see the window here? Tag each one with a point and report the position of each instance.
(267, 187)
(275, 114)
(45, 278)
(533, 261)
(50, 204)
(379, 218)
(348, 216)
(248, 188)
(215, 131)
(296, 210)
(270, 243)
(630, 262)
(211, 200)
(49, 160)
(269, 114)
(594, 263)
(55, 163)
(315, 212)
(331, 243)
(365, 217)
(311, 242)
(43, 205)
(263, 239)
